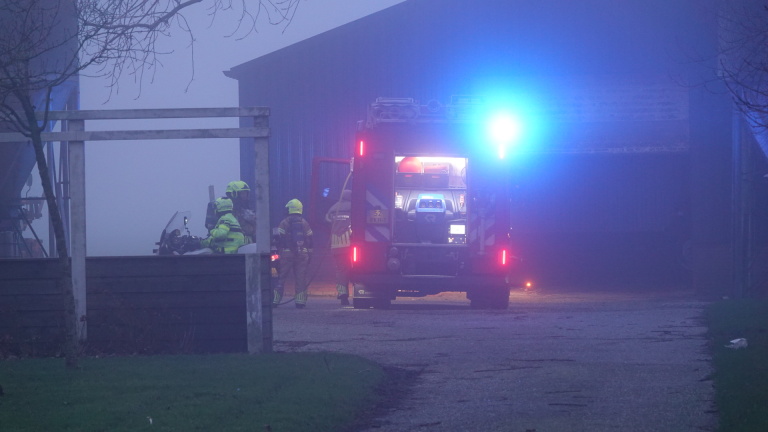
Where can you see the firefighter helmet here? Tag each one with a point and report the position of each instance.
(223, 205)
(234, 188)
(294, 206)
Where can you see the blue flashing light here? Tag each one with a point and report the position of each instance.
(504, 130)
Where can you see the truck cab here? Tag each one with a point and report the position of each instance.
(430, 207)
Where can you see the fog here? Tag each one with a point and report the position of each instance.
(133, 188)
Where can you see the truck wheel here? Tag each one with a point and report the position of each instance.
(362, 303)
(491, 298)
(367, 303)
(501, 299)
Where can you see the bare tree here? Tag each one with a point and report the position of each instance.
(47, 44)
(743, 56)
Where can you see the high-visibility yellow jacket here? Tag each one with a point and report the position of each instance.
(226, 236)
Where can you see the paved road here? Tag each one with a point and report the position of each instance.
(555, 361)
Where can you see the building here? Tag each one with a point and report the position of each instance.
(629, 170)
(48, 58)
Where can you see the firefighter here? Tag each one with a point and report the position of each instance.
(295, 247)
(338, 215)
(238, 191)
(226, 236)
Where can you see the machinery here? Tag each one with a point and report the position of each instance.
(430, 205)
(176, 238)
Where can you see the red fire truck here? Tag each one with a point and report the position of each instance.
(430, 205)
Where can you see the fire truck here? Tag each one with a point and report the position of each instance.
(430, 205)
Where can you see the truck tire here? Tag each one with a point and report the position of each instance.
(362, 303)
(490, 298)
(367, 303)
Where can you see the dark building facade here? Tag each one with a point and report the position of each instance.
(626, 172)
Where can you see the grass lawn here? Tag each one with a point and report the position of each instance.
(228, 392)
(741, 375)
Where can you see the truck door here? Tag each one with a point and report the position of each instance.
(372, 205)
(488, 222)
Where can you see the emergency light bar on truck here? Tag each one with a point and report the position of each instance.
(501, 128)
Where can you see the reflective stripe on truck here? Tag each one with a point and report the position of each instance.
(376, 217)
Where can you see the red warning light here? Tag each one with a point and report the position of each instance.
(361, 147)
(504, 257)
(354, 254)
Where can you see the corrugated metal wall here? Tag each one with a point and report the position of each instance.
(317, 89)
(601, 193)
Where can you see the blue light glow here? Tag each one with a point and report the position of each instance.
(504, 130)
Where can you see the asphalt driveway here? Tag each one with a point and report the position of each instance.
(555, 361)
